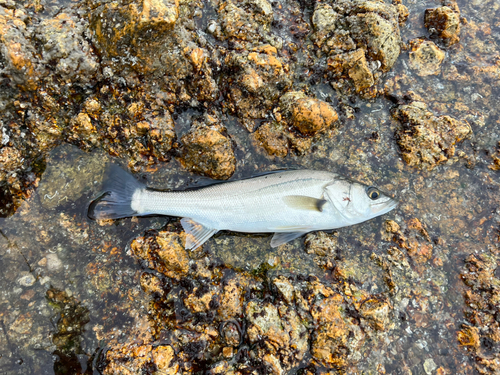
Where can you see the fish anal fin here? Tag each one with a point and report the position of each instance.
(280, 238)
(302, 202)
(197, 234)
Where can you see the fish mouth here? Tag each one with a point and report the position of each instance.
(385, 206)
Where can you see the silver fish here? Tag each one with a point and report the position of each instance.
(289, 203)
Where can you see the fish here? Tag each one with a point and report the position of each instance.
(287, 203)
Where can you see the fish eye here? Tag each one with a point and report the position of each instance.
(373, 193)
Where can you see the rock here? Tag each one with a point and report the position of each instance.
(444, 23)
(231, 305)
(10, 160)
(151, 284)
(361, 39)
(403, 13)
(324, 18)
(427, 140)
(282, 330)
(321, 243)
(120, 29)
(207, 151)
(54, 264)
(359, 71)
(331, 336)
(307, 115)
(26, 280)
(273, 137)
(199, 300)
(375, 25)
(164, 253)
(260, 77)
(71, 173)
(65, 46)
(429, 366)
(377, 313)
(163, 357)
(247, 20)
(425, 57)
(285, 288)
(17, 54)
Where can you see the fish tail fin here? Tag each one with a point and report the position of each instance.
(117, 200)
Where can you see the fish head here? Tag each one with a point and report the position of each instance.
(357, 202)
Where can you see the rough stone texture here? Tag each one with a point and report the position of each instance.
(272, 136)
(248, 20)
(330, 341)
(425, 57)
(206, 150)
(261, 76)
(444, 23)
(426, 140)
(361, 39)
(17, 54)
(307, 115)
(165, 253)
(65, 46)
(481, 334)
(119, 28)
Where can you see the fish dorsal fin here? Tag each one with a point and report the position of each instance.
(280, 238)
(302, 202)
(197, 234)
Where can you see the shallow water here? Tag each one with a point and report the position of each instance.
(57, 265)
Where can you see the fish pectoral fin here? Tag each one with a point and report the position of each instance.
(280, 238)
(197, 234)
(302, 202)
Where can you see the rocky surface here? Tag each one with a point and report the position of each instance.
(401, 95)
(426, 140)
(444, 23)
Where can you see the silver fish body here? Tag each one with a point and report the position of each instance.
(289, 203)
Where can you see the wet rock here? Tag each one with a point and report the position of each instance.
(66, 48)
(425, 57)
(10, 160)
(272, 137)
(330, 340)
(308, 115)
(359, 71)
(377, 313)
(151, 284)
(163, 357)
(427, 140)
(232, 298)
(248, 20)
(54, 264)
(444, 23)
(26, 280)
(415, 240)
(71, 174)
(164, 253)
(260, 77)
(120, 28)
(285, 287)
(361, 39)
(18, 56)
(375, 24)
(284, 334)
(208, 151)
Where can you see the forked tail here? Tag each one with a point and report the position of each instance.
(116, 202)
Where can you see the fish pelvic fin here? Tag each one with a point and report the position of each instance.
(197, 234)
(281, 238)
(117, 200)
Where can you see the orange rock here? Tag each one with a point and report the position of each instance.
(312, 115)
